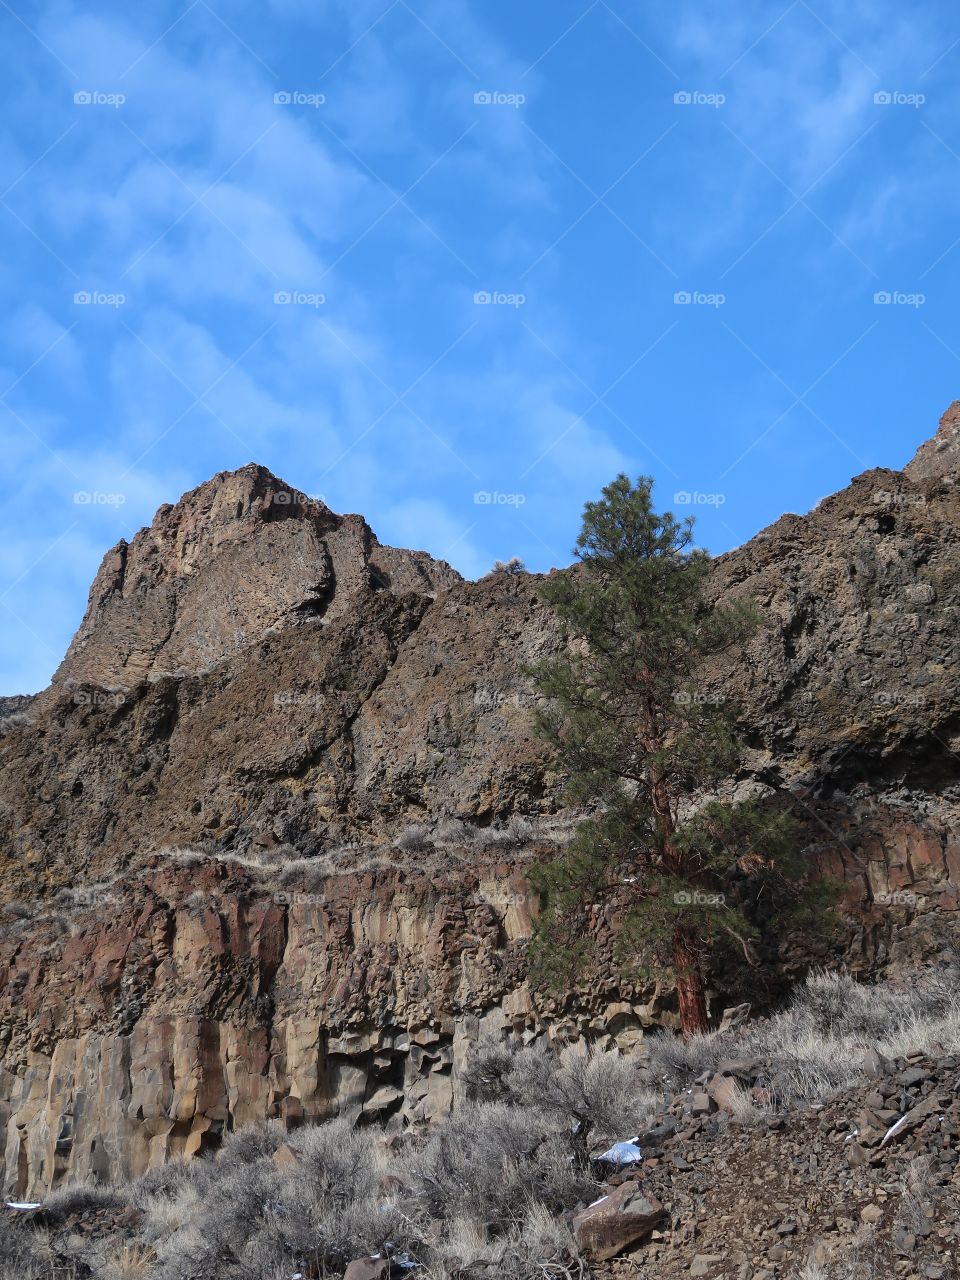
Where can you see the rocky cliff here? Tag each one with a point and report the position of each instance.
(262, 841)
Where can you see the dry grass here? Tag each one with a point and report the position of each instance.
(861, 1261)
(817, 1044)
(742, 1108)
(445, 833)
(30, 1256)
(128, 1261)
(415, 836)
(540, 1249)
(920, 1202)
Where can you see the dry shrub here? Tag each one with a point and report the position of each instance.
(601, 1093)
(414, 837)
(19, 1256)
(82, 1198)
(455, 833)
(490, 1162)
(817, 1044)
(251, 1218)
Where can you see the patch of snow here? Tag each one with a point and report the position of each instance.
(21, 1206)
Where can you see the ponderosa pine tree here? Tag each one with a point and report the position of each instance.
(641, 741)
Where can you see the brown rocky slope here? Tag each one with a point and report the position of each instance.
(341, 734)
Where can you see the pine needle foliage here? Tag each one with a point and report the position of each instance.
(670, 859)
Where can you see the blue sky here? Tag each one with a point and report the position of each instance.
(581, 165)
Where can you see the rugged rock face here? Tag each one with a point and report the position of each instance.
(258, 680)
(241, 556)
(14, 711)
(152, 1018)
(939, 457)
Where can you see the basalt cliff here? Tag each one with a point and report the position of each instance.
(263, 840)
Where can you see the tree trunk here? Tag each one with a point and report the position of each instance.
(690, 990)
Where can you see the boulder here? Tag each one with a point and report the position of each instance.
(734, 1017)
(619, 1220)
(703, 1263)
(745, 1069)
(374, 1268)
(725, 1092)
(285, 1158)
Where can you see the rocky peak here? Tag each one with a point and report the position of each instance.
(239, 556)
(939, 457)
(230, 506)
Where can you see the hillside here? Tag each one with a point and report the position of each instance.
(821, 1144)
(262, 841)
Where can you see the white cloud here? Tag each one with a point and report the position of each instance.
(799, 85)
(427, 525)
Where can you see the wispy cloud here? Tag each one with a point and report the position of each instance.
(423, 152)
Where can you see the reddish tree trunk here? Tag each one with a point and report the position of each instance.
(690, 990)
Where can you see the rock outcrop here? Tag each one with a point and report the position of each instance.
(239, 557)
(939, 458)
(149, 1015)
(262, 841)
